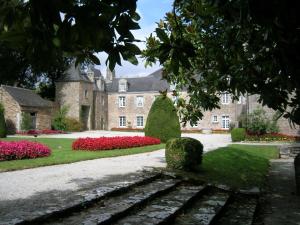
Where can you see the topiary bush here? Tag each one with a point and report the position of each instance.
(3, 131)
(184, 153)
(238, 134)
(163, 121)
(73, 125)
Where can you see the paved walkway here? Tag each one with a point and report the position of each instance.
(284, 203)
(23, 184)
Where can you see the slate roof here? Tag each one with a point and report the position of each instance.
(26, 97)
(152, 82)
(74, 74)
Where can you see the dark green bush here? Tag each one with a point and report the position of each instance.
(3, 131)
(259, 122)
(163, 121)
(238, 134)
(26, 121)
(73, 125)
(184, 153)
(59, 119)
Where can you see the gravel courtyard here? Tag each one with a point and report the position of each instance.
(23, 184)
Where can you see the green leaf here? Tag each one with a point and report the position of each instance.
(162, 35)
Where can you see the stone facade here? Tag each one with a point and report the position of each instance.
(124, 103)
(41, 114)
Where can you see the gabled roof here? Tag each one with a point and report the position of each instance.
(26, 97)
(152, 82)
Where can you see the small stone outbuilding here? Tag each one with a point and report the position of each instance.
(19, 100)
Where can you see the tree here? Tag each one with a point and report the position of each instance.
(241, 47)
(3, 130)
(46, 30)
(162, 121)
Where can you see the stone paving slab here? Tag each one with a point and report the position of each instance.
(284, 203)
(108, 210)
(163, 208)
(205, 209)
(56, 202)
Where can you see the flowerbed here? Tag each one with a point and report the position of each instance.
(271, 137)
(22, 150)
(109, 143)
(39, 132)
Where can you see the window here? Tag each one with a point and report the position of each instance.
(122, 85)
(175, 99)
(242, 100)
(225, 122)
(122, 121)
(225, 98)
(102, 100)
(85, 93)
(215, 119)
(122, 101)
(140, 101)
(140, 121)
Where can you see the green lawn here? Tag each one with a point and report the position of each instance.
(238, 165)
(62, 153)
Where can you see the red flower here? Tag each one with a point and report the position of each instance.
(108, 143)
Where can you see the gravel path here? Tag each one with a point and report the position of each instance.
(70, 177)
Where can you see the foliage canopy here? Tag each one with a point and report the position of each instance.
(162, 121)
(242, 47)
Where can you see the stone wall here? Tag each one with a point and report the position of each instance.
(131, 111)
(43, 116)
(284, 126)
(12, 112)
(100, 110)
(67, 94)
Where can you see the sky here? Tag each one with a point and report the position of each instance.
(151, 11)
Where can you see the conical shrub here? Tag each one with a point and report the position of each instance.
(163, 121)
(3, 131)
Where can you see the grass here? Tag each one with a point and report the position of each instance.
(62, 153)
(238, 166)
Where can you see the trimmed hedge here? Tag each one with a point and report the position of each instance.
(238, 134)
(163, 121)
(184, 153)
(3, 130)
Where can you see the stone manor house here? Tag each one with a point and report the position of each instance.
(113, 103)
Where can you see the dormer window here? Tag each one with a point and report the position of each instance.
(122, 85)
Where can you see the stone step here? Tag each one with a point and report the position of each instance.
(115, 207)
(83, 200)
(205, 209)
(165, 208)
(240, 211)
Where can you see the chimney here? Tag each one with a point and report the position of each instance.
(110, 75)
(90, 74)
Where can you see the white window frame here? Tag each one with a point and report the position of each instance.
(137, 101)
(175, 99)
(138, 120)
(102, 100)
(122, 121)
(214, 119)
(225, 122)
(122, 101)
(86, 93)
(225, 98)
